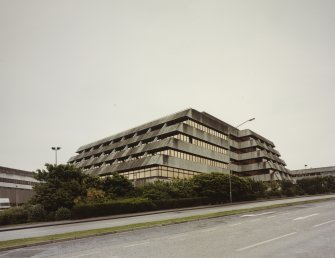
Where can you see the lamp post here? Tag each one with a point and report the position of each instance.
(56, 149)
(230, 174)
(249, 120)
(16, 195)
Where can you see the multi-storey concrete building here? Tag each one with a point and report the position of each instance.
(17, 185)
(182, 145)
(312, 172)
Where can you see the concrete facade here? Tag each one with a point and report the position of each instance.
(312, 172)
(182, 145)
(17, 185)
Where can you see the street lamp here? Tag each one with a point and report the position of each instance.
(16, 195)
(56, 149)
(228, 138)
(249, 120)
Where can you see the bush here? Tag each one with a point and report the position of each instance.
(313, 185)
(214, 186)
(288, 188)
(317, 185)
(158, 190)
(36, 213)
(15, 215)
(258, 189)
(273, 189)
(51, 216)
(62, 214)
(329, 182)
(112, 207)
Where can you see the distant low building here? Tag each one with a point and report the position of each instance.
(313, 172)
(182, 145)
(17, 185)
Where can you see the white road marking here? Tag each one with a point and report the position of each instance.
(83, 255)
(265, 242)
(259, 214)
(36, 249)
(136, 244)
(308, 216)
(271, 216)
(236, 224)
(177, 236)
(285, 213)
(324, 223)
(209, 229)
(4, 255)
(254, 220)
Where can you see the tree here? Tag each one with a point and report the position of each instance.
(116, 186)
(214, 186)
(258, 188)
(288, 188)
(59, 186)
(157, 190)
(241, 189)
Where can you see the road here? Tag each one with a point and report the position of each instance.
(51, 230)
(297, 231)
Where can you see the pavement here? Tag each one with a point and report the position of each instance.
(303, 230)
(22, 232)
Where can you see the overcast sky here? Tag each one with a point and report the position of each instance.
(72, 72)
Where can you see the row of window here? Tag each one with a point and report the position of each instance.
(205, 129)
(189, 122)
(16, 181)
(181, 137)
(159, 171)
(138, 133)
(183, 155)
(200, 143)
(172, 153)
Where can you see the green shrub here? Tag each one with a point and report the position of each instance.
(258, 189)
(330, 183)
(214, 186)
(288, 188)
(62, 214)
(112, 207)
(313, 185)
(273, 189)
(14, 215)
(36, 213)
(51, 216)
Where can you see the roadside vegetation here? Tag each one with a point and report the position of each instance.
(65, 192)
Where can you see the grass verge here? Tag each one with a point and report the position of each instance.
(24, 242)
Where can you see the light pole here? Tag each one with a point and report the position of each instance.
(249, 120)
(16, 195)
(230, 174)
(56, 149)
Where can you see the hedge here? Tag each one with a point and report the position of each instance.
(131, 206)
(14, 215)
(180, 203)
(112, 208)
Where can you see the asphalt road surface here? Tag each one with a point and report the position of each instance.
(297, 231)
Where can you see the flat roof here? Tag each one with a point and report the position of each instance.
(13, 171)
(313, 170)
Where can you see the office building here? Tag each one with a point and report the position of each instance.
(17, 185)
(182, 145)
(312, 172)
